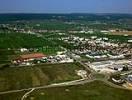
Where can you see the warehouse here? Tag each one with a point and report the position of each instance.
(28, 57)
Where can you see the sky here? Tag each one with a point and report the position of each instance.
(66, 6)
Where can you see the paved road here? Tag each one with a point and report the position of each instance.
(46, 86)
(76, 82)
(26, 94)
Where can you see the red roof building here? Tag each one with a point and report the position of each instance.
(32, 56)
(29, 57)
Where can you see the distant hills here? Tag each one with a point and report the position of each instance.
(65, 17)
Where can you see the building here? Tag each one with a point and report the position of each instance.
(109, 66)
(28, 58)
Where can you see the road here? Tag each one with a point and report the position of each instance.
(46, 86)
(26, 94)
(75, 82)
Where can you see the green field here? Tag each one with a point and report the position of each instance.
(51, 25)
(11, 42)
(12, 96)
(5, 56)
(91, 91)
(25, 77)
(21, 40)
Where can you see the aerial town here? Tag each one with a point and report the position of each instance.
(53, 51)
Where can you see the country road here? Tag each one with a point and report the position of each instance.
(25, 95)
(75, 82)
(70, 83)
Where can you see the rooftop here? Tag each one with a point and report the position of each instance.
(34, 55)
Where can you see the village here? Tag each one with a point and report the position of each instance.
(80, 53)
(103, 55)
(66, 50)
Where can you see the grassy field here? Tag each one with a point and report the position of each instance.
(99, 76)
(19, 40)
(5, 56)
(51, 25)
(25, 77)
(92, 91)
(12, 96)
(16, 41)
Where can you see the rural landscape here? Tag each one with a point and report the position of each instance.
(66, 50)
(65, 57)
